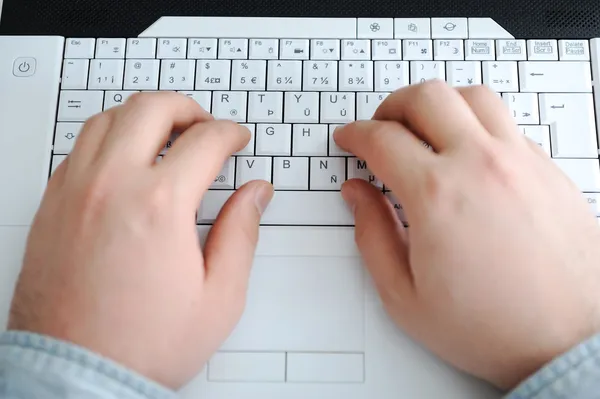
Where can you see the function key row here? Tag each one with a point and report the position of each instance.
(329, 49)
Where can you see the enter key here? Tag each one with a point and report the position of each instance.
(572, 124)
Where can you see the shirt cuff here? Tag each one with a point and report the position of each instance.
(34, 365)
(574, 375)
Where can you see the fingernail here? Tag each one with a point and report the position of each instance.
(262, 197)
(349, 195)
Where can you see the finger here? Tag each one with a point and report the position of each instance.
(491, 112)
(199, 154)
(143, 125)
(380, 239)
(90, 138)
(391, 151)
(230, 245)
(434, 112)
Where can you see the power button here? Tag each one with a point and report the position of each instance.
(24, 67)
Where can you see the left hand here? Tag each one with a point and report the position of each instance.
(113, 262)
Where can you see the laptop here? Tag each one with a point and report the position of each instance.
(314, 326)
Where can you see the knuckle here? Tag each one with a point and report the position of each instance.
(431, 88)
(141, 99)
(158, 198)
(497, 166)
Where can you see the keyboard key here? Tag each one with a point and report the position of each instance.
(449, 28)
(177, 75)
(249, 148)
(356, 49)
(539, 135)
(397, 207)
(421, 71)
(205, 49)
(301, 107)
(356, 76)
(357, 169)
(309, 140)
(65, 137)
(417, 50)
(574, 50)
(387, 49)
(106, 74)
(585, 173)
(56, 161)
(79, 105)
(285, 75)
(337, 107)
(116, 98)
(293, 49)
(273, 139)
(391, 75)
(572, 124)
(511, 50)
(75, 74)
(501, 76)
(265, 107)
(593, 199)
(141, 48)
(225, 178)
(523, 107)
(463, 73)
(327, 173)
(172, 48)
(367, 104)
(110, 48)
(288, 207)
(375, 28)
(252, 168)
(213, 74)
(325, 49)
(320, 75)
(80, 48)
(233, 48)
(412, 28)
(480, 50)
(448, 50)
(558, 76)
(264, 49)
(141, 74)
(542, 50)
(201, 97)
(248, 75)
(334, 149)
(290, 173)
(230, 105)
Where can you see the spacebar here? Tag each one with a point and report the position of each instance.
(298, 208)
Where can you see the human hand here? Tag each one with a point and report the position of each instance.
(113, 261)
(499, 271)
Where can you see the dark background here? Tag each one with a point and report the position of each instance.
(127, 18)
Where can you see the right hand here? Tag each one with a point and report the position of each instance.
(500, 270)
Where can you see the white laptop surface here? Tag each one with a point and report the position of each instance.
(314, 326)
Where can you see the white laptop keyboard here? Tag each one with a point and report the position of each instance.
(292, 91)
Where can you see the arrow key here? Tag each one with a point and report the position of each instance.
(66, 134)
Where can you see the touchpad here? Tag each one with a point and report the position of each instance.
(304, 304)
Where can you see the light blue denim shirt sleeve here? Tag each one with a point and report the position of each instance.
(34, 366)
(574, 375)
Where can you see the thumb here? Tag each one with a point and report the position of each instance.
(381, 239)
(231, 243)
